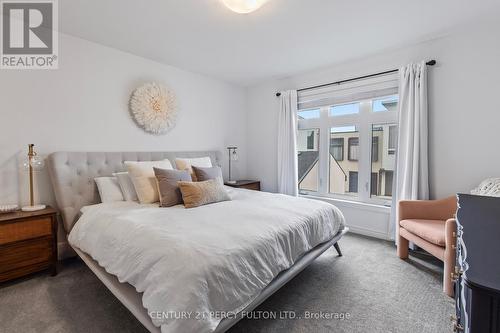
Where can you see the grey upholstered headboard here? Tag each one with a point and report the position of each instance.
(73, 173)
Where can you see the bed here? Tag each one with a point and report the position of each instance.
(222, 260)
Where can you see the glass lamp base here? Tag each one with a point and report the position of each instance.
(33, 208)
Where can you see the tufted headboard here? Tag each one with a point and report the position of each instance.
(73, 173)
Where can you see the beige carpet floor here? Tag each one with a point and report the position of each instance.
(369, 287)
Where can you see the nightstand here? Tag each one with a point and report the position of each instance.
(28, 243)
(247, 184)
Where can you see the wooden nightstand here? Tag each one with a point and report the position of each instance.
(248, 184)
(28, 243)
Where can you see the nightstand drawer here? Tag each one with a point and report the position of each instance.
(13, 232)
(26, 253)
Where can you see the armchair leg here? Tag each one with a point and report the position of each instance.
(448, 284)
(337, 248)
(403, 245)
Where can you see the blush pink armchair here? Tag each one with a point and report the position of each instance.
(430, 224)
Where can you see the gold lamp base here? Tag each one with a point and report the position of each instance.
(33, 208)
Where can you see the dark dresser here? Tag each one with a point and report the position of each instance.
(477, 292)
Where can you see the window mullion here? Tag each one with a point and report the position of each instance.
(365, 152)
(324, 144)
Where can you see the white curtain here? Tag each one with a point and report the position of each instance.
(412, 179)
(287, 144)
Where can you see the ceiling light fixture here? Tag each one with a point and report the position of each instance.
(244, 6)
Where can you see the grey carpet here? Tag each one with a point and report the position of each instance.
(380, 293)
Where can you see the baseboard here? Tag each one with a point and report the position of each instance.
(368, 232)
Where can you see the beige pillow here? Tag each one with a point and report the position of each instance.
(143, 178)
(186, 163)
(196, 194)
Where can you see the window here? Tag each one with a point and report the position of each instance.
(307, 158)
(388, 183)
(384, 166)
(310, 140)
(353, 152)
(385, 104)
(348, 150)
(393, 139)
(352, 155)
(308, 114)
(340, 169)
(344, 109)
(337, 148)
(375, 149)
(374, 184)
(353, 181)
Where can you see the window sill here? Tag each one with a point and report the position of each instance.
(351, 203)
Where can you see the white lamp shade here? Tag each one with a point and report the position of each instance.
(234, 155)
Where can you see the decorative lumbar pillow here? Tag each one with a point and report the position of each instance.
(109, 189)
(166, 180)
(144, 180)
(203, 174)
(188, 163)
(196, 194)
(126, 186)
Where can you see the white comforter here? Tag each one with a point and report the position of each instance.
(194, 262)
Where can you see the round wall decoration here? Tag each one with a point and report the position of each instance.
(153, 108)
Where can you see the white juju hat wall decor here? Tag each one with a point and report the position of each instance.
(153, 108)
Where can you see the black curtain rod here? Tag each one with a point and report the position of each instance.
(428, 63)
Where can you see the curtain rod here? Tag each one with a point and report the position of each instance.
(428, 63)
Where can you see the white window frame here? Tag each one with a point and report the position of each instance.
(364, 120)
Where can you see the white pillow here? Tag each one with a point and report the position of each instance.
(488, 187)
(144, 180)
(109, 189)
(186, 163)
(126, 185)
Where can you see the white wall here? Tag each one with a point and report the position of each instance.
(83, 106)
(464, 114)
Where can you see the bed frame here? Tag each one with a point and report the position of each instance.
(72, 175)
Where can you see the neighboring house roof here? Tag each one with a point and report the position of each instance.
(306, 161)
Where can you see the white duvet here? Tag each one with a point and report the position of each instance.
(194, 262)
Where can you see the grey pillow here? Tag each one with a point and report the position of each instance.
(168, 190)
(203, 174)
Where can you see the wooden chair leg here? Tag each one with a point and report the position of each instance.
(403, 245)
(337, 248)
(448, 283)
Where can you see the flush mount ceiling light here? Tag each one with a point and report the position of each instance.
(244, 6)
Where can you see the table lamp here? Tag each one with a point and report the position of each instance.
(233, 156)
(32, 163)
